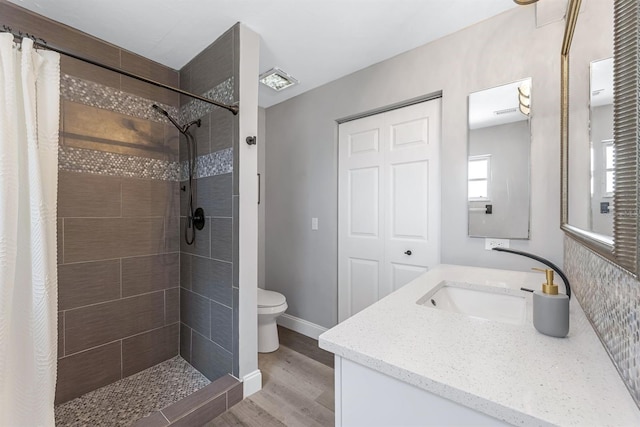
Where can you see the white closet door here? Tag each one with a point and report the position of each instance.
(389, 203)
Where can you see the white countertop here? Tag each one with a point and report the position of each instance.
(510, 372)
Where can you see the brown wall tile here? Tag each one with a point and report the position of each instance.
(185, 270)
(154, 420)
(185, 342)
(144, 67)
(87, 371)
(171, 306)
(172, 233)
(103, 130)
(88, 283)
(89, 239)
(145, 350)
(203, 414)
(195, 312)
(60, 334)
(148, 197)
(224, 124)
(235, 395)
(148, 91)
(150, 273)
(60, 240)
(152, 70)
(88, 195)
(201, 246)
(213, 65)
(215, 389)
(85, 71)
(201, 134)
(98, 324)
(172, 143)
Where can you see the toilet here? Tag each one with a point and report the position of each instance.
(270, 306)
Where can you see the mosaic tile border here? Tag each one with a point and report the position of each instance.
(195, 109)
(96, 95)
(610, 297)
(217, 163)
(82, 160)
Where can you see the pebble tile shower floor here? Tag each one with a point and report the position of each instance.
(134, 397)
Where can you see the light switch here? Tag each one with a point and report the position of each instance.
(314, 223)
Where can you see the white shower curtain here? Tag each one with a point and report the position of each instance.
(29, 117)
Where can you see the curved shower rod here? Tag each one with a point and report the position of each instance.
(42, 44)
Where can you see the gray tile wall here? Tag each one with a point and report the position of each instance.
(610, 297)
(208, 310)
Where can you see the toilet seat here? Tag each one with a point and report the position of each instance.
(270, 299)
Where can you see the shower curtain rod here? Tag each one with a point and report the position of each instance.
(41, 43)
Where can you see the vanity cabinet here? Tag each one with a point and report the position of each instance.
(365, 397)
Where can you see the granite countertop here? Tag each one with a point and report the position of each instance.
(510, 372)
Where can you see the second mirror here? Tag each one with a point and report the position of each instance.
(499, 149)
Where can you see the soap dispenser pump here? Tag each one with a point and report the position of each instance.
(550, 309)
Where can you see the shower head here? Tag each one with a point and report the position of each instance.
(160, 110)
(183, 129)
(164, 112)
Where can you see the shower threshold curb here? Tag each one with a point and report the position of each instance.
(198, 408)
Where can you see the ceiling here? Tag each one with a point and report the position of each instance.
(316, 41)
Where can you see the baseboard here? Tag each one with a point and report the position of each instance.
(252, 383)
(301, 326)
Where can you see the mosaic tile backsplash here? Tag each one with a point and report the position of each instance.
(610, 297)
(104, 163)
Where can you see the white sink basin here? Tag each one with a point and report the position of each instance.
(479, 301)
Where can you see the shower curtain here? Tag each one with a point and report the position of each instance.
(29, 117)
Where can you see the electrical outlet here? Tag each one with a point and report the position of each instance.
(489, 244)
(314, 223)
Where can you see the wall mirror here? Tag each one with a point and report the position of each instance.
(599, 130)
(499, 146)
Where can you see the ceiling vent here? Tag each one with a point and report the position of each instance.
(277, 79)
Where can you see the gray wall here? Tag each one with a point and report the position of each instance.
(509, 147)
(301, 160)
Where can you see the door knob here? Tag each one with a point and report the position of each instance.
(407, 252)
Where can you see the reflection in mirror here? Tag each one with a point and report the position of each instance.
(602, 148)
(498, 163)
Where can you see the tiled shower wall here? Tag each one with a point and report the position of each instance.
(610, 297)
(208, 269)
(118, 209)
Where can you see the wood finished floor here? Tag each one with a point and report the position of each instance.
(297, 388)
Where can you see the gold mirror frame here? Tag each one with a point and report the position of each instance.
(623, 249)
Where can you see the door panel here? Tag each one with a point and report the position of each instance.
(363, 202)
(388, 203)
(363, 283)
(409, 134)
(401, 274)
(364, 142)
(409, 213)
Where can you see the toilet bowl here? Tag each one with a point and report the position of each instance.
(270, 306)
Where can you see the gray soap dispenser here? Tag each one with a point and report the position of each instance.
(550, 309)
